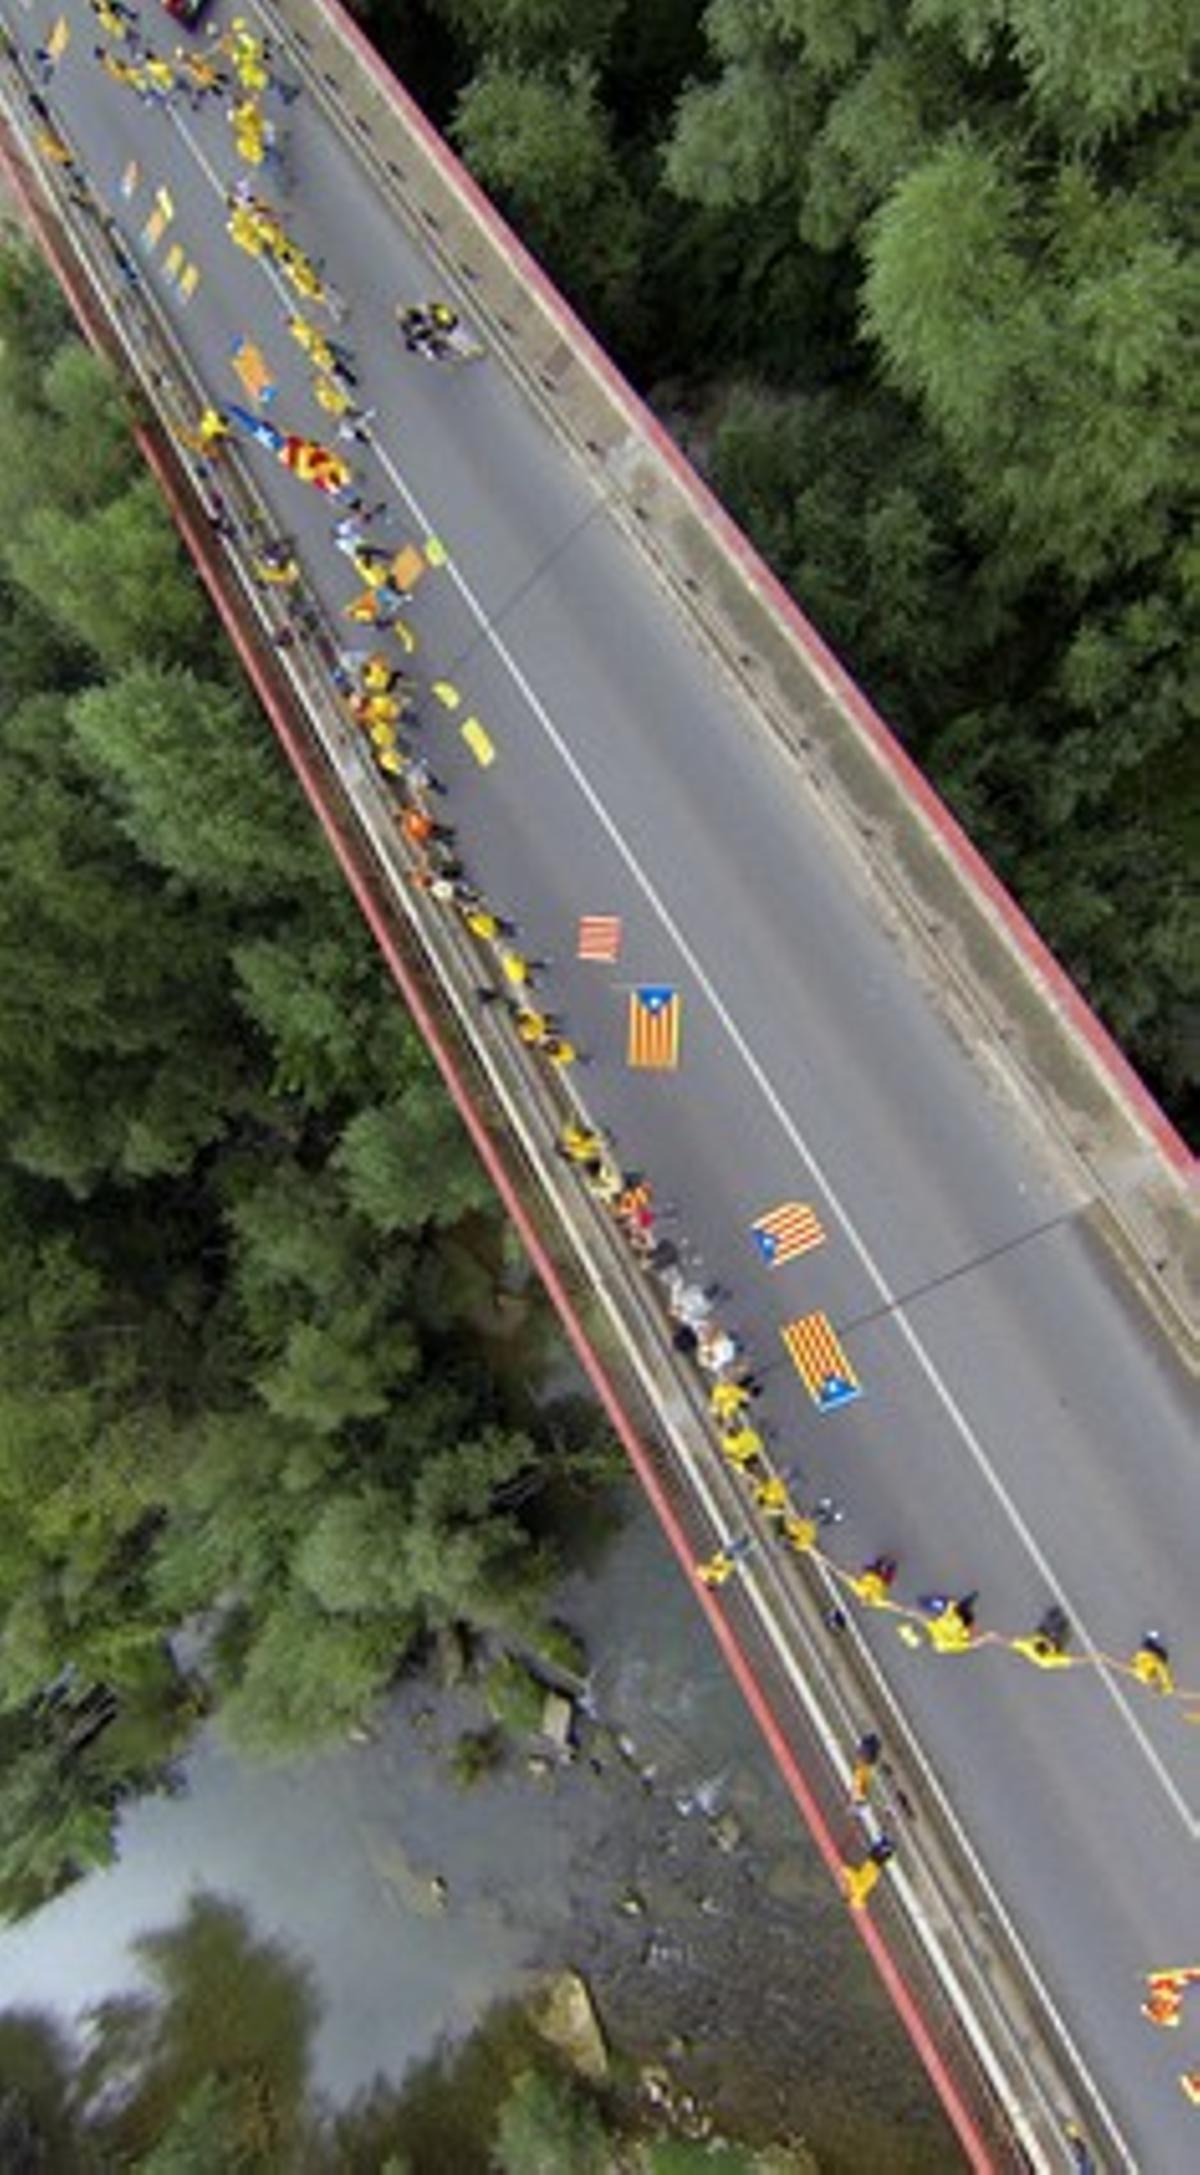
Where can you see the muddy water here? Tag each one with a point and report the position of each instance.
(735, 1960)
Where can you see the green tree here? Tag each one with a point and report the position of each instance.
(111, 579)
(1093, 65)
(198, 784)
(306, 1680)
(547, 2127)
(534, 31)
(1011, 322)
(38, 2128)
(542, 143)
(55, 1822)
(224, 2029)
(408, 1163)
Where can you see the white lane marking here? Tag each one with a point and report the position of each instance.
(941, 1389)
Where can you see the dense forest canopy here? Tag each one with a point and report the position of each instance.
(917, 282)
(246, 1254)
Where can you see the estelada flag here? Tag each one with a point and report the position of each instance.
(786, 1231)
(655, 1022)
(257, 427)
(820, 1362)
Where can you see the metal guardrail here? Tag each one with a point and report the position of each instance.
(944, 1925)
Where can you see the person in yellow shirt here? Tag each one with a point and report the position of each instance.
(726, 1400)
(866, 1760)
(515, 968)
(858, 1881)
(312, 342)
(124, 72)
(484, 924)
(331, 396)
(1151, 1664)
(602, 1179)
(719, 1567)
(244, 231)
(874, 1582)
(577, 1143)
(116, 22)
(380, 676)
(1046, 1646)
(159, 77)
(275, 565)
(771, 1496)
(951, 1631)
(532, 1026)
(741, 1445)
(800, 1533)
(558, 1051)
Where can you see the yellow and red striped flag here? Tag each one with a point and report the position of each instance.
(253, 369)
(655, 1020)
(599, 936)
(786, 1231)
(820, 1362)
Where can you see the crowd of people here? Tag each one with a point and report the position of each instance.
(382, 700)
(236, 65)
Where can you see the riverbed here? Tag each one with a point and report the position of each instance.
(673, 1873)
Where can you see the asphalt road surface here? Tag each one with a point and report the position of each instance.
(1022, 1430)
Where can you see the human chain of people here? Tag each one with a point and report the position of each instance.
(394, 705)
(385, 701)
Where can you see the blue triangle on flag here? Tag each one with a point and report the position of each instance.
(766, 1244)
(835, 1390)
(656, 998)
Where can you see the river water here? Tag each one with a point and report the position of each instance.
(738, 1958)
